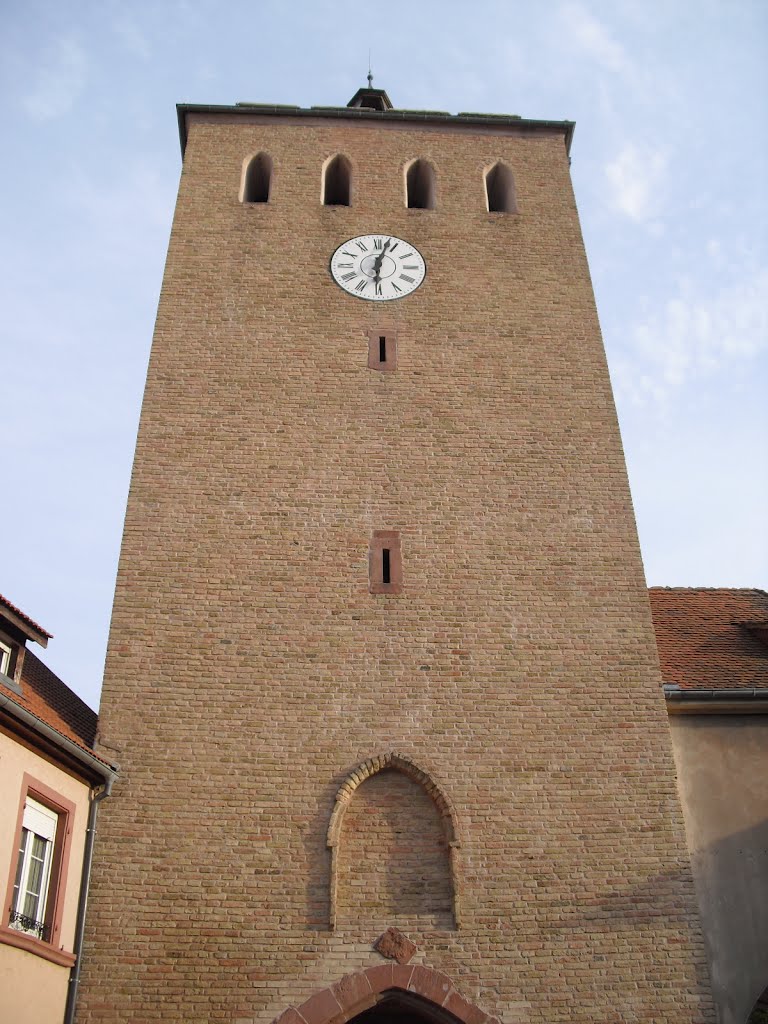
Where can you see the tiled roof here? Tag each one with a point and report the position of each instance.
(4, 602)
(44, 695)
(711, 639)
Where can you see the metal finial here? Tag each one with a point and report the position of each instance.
(370, 76)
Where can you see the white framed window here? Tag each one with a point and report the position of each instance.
(33, 869)
(6, 653)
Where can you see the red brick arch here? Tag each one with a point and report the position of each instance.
(357, 992)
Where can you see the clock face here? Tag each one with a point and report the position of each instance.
(378, 267)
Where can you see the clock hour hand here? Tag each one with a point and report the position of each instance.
(377, 262)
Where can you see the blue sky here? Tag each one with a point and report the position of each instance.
(670, 164)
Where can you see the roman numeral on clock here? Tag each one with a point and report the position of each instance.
(362, 246)
(349, 276)
(360, 286)
(405, 277)
(377, 243)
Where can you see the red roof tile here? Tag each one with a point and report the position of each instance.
(710, 639)
(44, 695)
(25, 618)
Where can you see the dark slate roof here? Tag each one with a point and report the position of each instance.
(711, 638)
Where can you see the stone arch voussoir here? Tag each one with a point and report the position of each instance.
(357, 992)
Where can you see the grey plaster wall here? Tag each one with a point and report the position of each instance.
(722, 763)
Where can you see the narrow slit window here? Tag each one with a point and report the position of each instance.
(382, 349)
(337, 182)
(258, 179)
(500, 189)
(385, 563)
(420, 186)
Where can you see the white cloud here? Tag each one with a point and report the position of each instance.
(61, 78)
(692, 337)
(635, 178)
(592, 37)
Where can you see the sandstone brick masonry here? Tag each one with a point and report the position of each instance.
(250, 669)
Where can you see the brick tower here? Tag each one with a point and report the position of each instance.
(382, 679)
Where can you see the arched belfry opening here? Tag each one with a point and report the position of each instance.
(337, 181)
(394, 848)
(420, 185)
(257, 179)
(500, 189)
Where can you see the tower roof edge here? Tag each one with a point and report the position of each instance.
(502, 122)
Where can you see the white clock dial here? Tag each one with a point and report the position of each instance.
(378, 267)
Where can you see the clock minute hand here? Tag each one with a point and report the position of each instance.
(378, 260)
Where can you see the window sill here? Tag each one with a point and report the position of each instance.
(12, 937)
(10, 683)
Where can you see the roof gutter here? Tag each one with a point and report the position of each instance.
(715, 702)
(108, 773)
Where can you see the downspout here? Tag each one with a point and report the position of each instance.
(82, 902)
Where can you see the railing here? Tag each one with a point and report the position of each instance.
(22, 923)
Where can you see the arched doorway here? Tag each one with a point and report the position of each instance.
(759, 1013)
(389, 994)
(397, 1007)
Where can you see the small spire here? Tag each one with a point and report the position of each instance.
(369, 98)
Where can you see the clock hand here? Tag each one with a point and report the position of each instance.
(377, 262)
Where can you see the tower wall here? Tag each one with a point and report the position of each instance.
(250, 668)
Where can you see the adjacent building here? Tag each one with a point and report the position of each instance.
(713, 648)
(50, 782)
